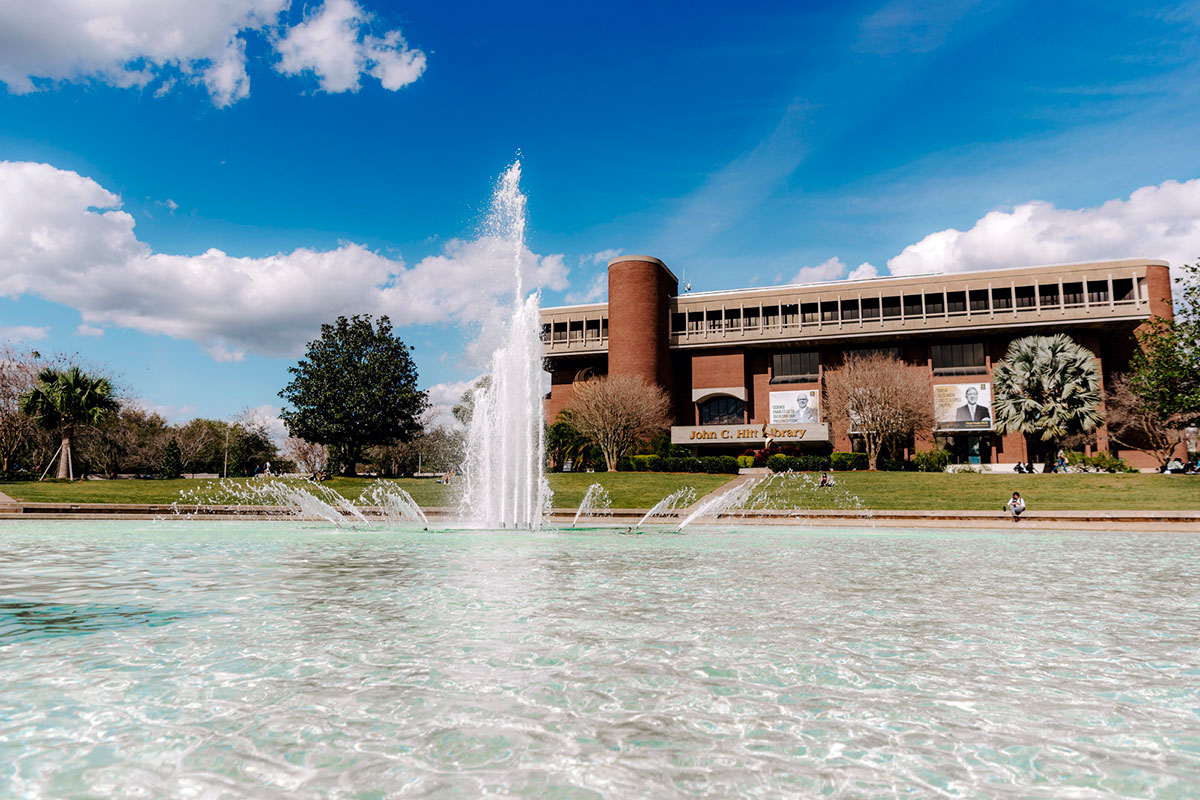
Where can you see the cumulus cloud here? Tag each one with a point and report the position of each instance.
(1160, 222)
(23, 333)
(89, 330)
(597, 286)
(334, 43)
(65, 238)
(134, 43)
(834, 269)
(443, 397)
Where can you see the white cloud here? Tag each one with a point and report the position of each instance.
(133, 43)
(267, 417)
(89, 330)
(65, 238)
(862, 272)
(1160, 221)
(23, 333)
(596, 290)
(597, 287)
(334, 44)
(834, 269)
(443, 397)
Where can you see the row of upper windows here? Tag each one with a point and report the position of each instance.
(575, 330)
(1019, 298)
(954, 358)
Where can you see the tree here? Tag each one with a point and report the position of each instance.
(464, 409)
(131, 440)
(356, 387)
(616, 413)
(1136, 424)
(172, 462)
(1048, 387)
(63, 400)
(1164, 373)
(879, 398)
(18, 375)
(564, 443)
(307, 456)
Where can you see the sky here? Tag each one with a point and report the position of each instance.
(188, 190)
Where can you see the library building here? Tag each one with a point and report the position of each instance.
(746, 366)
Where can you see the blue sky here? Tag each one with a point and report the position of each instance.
(339, 155)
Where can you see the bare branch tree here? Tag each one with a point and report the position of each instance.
(879, 398)
(308, 456)
(1134, 425)
(18, 374)
(617, 412)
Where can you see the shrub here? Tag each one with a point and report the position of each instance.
(723, 465)
(812, 462)
(643, 463)
(745, 462)
(1107, 462)
(625, 464)
(932, 460)
(848, 461)
(777, 463)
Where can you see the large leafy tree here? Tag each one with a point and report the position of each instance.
(355, 387)
(1164, 374)
(1047, 387)
(64, 400)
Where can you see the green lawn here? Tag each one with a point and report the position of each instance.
(426, 491)
(970, 492)
(878, 490)
(627, 490)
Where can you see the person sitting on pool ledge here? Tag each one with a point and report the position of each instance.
(1016, 506)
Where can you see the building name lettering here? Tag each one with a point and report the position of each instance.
(757, 433)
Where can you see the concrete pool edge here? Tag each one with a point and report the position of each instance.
(1179, 521)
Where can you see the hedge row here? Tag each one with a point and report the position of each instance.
(714, 465)
(817, 463)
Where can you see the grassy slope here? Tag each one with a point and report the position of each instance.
(627, 490)
(880, 490)
(919, 490)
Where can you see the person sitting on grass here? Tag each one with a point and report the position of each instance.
(825, 481)
(1015, 506)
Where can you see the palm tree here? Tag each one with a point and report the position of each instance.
(64, 399)
(1047, 386)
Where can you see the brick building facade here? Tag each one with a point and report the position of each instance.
(748, 365)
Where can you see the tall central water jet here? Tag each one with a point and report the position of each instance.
(505, 480)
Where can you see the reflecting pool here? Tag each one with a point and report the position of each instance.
(230, 659)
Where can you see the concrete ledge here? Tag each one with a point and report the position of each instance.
(1179, 521)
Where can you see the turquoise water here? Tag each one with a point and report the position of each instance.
(194, 659)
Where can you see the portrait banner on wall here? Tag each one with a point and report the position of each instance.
(962, 406)
(797, 407)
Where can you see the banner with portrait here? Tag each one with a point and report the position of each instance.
(962, 406)
(797, 407)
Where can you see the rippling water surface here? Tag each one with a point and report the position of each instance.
(273, 660)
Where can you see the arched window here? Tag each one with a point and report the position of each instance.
(722, 410)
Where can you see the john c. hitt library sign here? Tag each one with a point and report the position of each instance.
(749, 434)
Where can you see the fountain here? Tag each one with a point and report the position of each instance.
(680, 498)
(505, 482)
(715, 505)
(594, 503)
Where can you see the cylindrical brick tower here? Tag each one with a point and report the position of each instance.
(639, 288)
